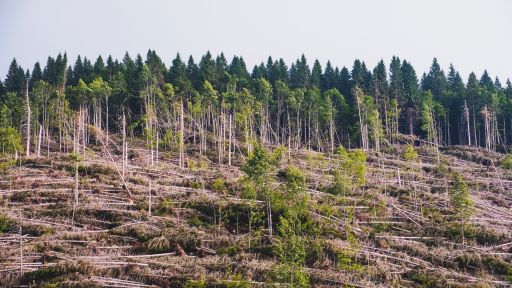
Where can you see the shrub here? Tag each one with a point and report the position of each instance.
(195, 185)
(351, 173)
(61, 271)
(290, 274)
(10, 140)
(195, 284)
(409, 153)
(219, 186)
(507, 162)
(165, 206)
(158, 245)
(6, 224)
(236, 281)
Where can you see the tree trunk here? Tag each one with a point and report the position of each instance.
(181, 136)
(149, 199)
(230, 139)
(29, 116)
(39, 141)
(466, 117)
(123, 123)
(106, 117)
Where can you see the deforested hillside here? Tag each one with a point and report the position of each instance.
(406, 216)
(132, 173)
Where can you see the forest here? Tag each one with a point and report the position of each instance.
(297, 106)
(129, 173)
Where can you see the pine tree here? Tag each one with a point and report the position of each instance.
(460, 201)
(409, 96)
(329, 78)
(15, 78)
(435, 81)
(99, 68)
(316, 75)
(37, 74)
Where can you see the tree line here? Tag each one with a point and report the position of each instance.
(219, 107)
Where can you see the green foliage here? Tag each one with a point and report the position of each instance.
(194, 284)
(432, 112)
(100, 88)
(7, 163)
(6, 224)
(195, 184)
(237, 281)
(219, 186)
(10, 140)
(295, 179)
(410, 153)
(290, 247)
(290, 274)
(426, 279)
(507, 162)
(158, 245)
(351, 173)
(165, 207)
(459, 197)
(57, 273)
(260, 163)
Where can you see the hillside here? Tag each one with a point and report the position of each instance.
(206, 225)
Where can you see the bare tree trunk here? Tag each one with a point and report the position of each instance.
(269, 217)
(466, 117)
(331, 134)
(485, 114)
(149, 199)
(123, 121)
(181, 136)
(474, 127)
(29, 116)
(106, 117)
(21, 243)
(156, 145)
(230, 139)
(39, 141)
(289, 131)
(219, 136)
(362, 125)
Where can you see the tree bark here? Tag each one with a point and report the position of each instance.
(29, 116)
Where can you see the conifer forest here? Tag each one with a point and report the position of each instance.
(209, 173)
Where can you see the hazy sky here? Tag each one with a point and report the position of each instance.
(472, 34)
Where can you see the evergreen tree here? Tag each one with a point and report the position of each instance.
(453, 100)
(156, 66)
(435, 81)
(207, 69)
(410, 97)
(299, 74)
(343, 84)
(37, 74)
(460, 201)
(111, 68)
(99, 68)
(15, 78)
(316, 75)
(78, 71)
(329, 78)
(193, 73)
(177, 72)
(486, 81)
(259, 72)
(238, 69)
(88, 71)
(396, 86)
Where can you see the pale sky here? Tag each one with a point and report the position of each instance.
(472, 34)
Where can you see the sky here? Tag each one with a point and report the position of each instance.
(472, 34)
